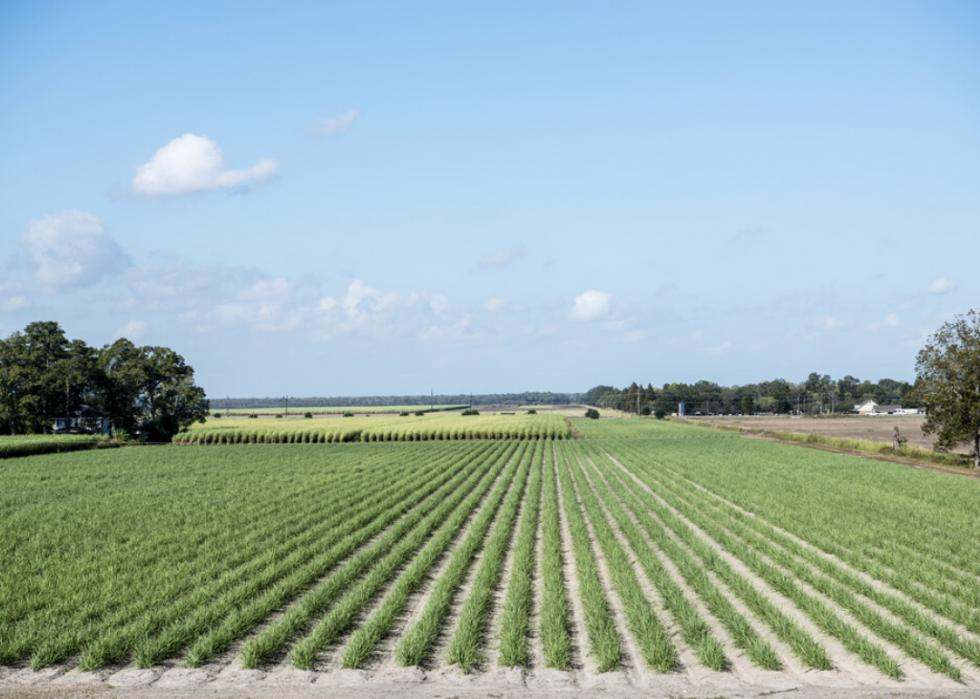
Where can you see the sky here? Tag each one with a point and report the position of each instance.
(374, 198)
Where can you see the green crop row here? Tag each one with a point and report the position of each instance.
(555, 621)
(467, 641)
(344, 613)
(416, 644)
(515, 624)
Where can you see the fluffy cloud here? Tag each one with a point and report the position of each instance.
(131, 330)
(193, 163)
(942, 286)
(502, 258)
(590, 305)
(494, 305)
(266, 305)
(71, 249)
(339, 124)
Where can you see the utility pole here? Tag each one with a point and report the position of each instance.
(432, 400)
(471, 400)
(287, 405)
(227, 406)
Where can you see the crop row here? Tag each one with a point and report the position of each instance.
(431, 427)
(817, 585)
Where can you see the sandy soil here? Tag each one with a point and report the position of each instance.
(875, 429)
(443, 684)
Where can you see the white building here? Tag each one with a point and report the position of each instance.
(868, 407)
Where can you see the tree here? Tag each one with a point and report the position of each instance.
(150, 389)
(948, 384)
(748, 405)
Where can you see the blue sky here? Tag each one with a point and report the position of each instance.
(387, 198)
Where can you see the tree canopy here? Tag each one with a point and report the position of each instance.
(43, 375)
(948, 384)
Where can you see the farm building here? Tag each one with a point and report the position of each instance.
(83, 419)
(868, 407)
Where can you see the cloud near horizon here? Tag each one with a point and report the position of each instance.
(192, 163)
(590, 305)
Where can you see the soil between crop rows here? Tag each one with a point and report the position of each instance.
(778, 576)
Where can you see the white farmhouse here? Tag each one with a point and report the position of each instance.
(868, 407)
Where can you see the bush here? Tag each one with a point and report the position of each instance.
(532, 411)
(348, 414)
(646, 410)
(419, 413)
(471, 411)
(253, 415)
(216, 415)
(405, 414)
(660, 414)
(278, 414)
(308, 415)
(592, 414)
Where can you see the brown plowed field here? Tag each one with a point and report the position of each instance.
(872, 428)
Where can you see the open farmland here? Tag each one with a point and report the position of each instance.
(338, 410)
(683, 561)
(383, 428)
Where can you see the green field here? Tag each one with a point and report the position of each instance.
(640, 544)
(382, 428)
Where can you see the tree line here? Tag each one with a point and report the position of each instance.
(506, 399)
(818, 394)
(147, 391)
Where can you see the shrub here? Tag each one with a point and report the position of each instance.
(348, 414)
(253, 415)
(216, 415)
(532, 411)
(660, 414)
(645, 410)
(592, 414)
(308, 415)
(419, 413)
(278, 414)
(405, 414)
(471, 411)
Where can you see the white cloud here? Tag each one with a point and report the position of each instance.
(888, 323)
(70, 249)
(495, 305)
(438, 303)
(502, 258)
(131, 330)
(338, 124)
(634, 336)
(942, 286)
(590, 305)
(194, 163)
(717, 351)
(831, 323)
(267, 290)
